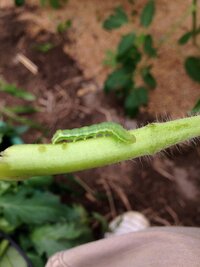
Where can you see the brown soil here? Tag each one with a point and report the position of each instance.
(69, 93)
(175, 93)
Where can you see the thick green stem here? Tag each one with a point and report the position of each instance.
(21, 161)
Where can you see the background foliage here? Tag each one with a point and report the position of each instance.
(132, 59)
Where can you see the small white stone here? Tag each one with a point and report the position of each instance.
(131, 221)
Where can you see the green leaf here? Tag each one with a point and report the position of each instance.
(147, 13)
(12, 258)
(15, 91)
(148, 77)
(5, 226)
(140, 40)
(1, 138)
(25, 243)
(43, 2)
(19, 2)
(110, 59)
(64, 26)
(39, 181)
(6, 187)
(192, 67)
(126, 44)
(137, 97)
(22, 120)
(35, 260)
(3, 247)
(118, 80)
(185, 38)
(21, 129)
(28, 207)
(77, 213)
(148, 46)
(55, 3)
(22, 109)
(130, 60)
(196, 108)
(10, 135)
(7, 129)
(102, 220)
(116, 20)
(50, 239)
(44, 48)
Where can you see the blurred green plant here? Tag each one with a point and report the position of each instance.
(32, 214)
(116, 20)
(44, 48)
(33, 217)
(53, 3)
(192, 63)
(192, 66)
(11, 257)
(64, 26)
(195, 31)
(15, 91)
(196, 108)
(110, 59)
(13, 113)
(19, 2)
(10, 135)
(132, 60)
(147, 13)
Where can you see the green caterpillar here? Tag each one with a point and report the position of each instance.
(102, 129)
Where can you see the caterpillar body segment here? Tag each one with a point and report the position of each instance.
(112, 129)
